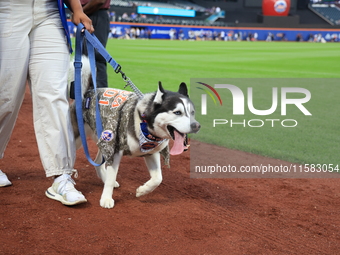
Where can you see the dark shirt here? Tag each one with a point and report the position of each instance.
(106, 5)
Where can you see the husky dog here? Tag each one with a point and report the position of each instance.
(139, 127)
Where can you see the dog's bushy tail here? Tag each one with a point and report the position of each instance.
(86, 78)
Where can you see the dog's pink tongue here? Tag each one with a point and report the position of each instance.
(178, 146)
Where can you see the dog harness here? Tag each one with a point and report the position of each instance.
(117, 109)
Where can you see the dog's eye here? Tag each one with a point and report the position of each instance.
(193, 113)
(178, 112)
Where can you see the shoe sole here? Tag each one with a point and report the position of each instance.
(50, 193)
(6, 185)
(4, 180)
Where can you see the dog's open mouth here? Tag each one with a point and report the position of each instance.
(180, 141)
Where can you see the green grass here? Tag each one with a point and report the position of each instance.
(148, 61)
(315, 140)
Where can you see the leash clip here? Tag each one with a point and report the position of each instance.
(118, 68)
(123, 76)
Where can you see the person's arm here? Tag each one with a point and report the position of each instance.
(93, 6)
(79, 16)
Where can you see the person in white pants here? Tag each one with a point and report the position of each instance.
(35, 46)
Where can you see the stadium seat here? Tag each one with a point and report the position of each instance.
(329, 11)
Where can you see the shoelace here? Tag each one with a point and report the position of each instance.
(66, 179)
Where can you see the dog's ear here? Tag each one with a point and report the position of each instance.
(183, 90)
(159, 94)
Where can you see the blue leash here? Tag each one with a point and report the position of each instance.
(78, 93)
(93, 40)
(92, 43)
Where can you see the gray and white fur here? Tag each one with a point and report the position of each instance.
(168, 116)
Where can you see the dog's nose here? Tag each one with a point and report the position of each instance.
(195, 126)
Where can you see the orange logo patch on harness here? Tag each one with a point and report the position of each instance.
(116, 96)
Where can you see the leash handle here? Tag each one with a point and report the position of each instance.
(78, 92)
(92, 59)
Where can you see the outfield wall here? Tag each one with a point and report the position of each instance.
(157, 31)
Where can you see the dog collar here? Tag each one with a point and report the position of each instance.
(147, 141)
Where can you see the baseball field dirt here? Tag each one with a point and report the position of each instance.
(182, 216)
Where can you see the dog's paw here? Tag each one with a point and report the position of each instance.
(141, 191)
(107, 203)
(116, 185)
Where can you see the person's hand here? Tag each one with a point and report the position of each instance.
(84, 19)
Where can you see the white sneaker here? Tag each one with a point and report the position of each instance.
(63, 191)
(4, 180)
